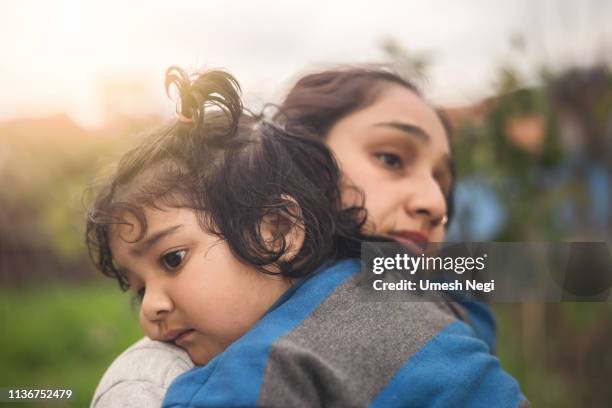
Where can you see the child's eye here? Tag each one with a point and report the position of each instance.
(390, 160)
(140, 293)
(138, 297)
(173, 260)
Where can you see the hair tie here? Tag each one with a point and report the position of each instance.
(184, 119)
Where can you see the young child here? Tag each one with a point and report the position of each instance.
(231, 231)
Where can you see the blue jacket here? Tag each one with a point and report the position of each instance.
(321, 345)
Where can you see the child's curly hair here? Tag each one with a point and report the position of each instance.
(232, 168)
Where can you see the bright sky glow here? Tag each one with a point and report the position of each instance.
(86, 57)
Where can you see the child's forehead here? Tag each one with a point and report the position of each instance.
(126, 225)
(135, 225)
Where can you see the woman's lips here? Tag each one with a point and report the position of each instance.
(413, 240)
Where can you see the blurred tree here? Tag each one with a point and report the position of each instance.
(413, 65)
(545, 150)
(47, 164)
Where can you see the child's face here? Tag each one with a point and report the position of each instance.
(195, 293)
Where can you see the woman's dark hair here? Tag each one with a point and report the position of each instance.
(319, 100)
(233, 169)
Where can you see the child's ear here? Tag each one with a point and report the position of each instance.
(286, 224)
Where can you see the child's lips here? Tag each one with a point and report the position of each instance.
(174, 336)
(183, 337)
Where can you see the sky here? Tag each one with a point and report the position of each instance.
(89, 58)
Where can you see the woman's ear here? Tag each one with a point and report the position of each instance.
(284, 224)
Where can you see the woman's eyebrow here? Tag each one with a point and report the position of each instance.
(152, 239)
(408, 129)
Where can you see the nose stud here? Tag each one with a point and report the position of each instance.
(444, 220)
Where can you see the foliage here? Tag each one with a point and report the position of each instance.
(49, 164)
(515, 143)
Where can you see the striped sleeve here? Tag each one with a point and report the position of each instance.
(454, 368)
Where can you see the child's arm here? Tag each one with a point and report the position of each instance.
(140, 376)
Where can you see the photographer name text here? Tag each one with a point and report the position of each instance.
(428, 285)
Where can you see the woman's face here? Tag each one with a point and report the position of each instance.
(396, 151)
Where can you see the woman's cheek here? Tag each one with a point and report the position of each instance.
(437, 234)
(351, 194)
(375, 206)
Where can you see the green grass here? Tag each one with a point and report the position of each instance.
(66, 336)
(63, 337)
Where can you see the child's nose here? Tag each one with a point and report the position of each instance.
(156, 303)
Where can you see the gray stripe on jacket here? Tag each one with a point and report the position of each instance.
(343, 339)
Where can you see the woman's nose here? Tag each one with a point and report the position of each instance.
(156, 303)
(426, 201)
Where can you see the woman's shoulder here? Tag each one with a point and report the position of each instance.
(141, 375)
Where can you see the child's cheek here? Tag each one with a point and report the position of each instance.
(149, 329)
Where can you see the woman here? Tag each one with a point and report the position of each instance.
(394, 147)
(389, 143)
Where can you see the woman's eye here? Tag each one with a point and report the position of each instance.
(173, 260)
(445, 183)
(390, 160)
